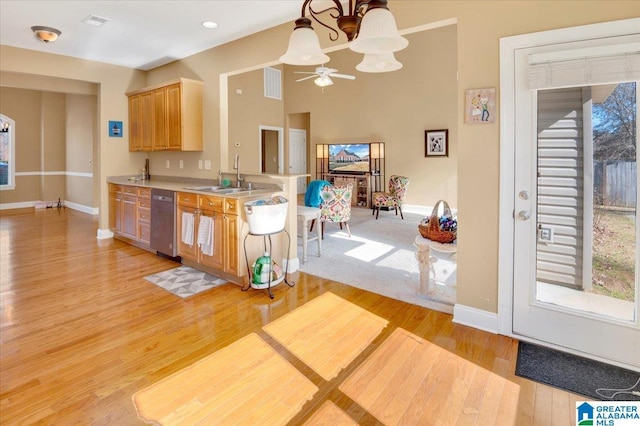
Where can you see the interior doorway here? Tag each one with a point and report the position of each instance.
(271, 150)
(298, 156)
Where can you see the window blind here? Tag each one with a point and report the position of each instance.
(568, 69)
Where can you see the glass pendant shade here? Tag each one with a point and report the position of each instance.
(384, 62)
(304, 49)
(378, 33)
(323, 81)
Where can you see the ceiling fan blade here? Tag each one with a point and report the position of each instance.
(303, 72)
(306, 78)
(347, 76)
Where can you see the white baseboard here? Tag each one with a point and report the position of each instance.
(22, 205)
(291, 265)
(73, 206)
(476, 318)
(104, 234)
(81, 208)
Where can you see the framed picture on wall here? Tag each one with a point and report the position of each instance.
(115, 129)
(480, 106)
(436, 143)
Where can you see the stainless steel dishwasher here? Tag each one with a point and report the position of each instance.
(163, 222)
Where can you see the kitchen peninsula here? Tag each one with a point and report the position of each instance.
(130, 219)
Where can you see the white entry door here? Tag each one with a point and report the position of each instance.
(298, 156)
(560, 295)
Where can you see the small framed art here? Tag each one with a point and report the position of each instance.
(436, 143)
(115, 129)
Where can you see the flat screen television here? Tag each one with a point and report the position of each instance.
(349, 158)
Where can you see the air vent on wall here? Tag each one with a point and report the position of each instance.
(272, 83)
(94, 20)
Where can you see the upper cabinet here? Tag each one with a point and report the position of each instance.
(166, 117)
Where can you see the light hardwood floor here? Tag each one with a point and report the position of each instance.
(82, 330)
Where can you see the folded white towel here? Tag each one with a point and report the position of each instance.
(187, 228)
(205, 235)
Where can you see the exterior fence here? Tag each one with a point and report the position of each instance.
(615, 184)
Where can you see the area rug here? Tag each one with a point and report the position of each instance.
(593, 379)
(247, 382)
(326, 333)
(379, 257)
(185, 281)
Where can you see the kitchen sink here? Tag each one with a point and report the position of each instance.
(230, 190)
(204, 188)
(218, 189)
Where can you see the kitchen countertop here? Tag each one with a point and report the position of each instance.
(187, 185)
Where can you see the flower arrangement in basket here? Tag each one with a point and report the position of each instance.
(443, 229)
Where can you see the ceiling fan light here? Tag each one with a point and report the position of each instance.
(304, 49)
(384, 62)
(46, 34)
(378, 33)
(323, 81)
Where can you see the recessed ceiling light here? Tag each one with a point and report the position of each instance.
(94, 20)
(209, 24)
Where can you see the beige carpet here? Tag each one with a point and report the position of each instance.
(327, 333)
(379, 257)
(247, 382)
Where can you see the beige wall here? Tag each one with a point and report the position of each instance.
(79, 160)
(480, 25)
(395, 108)
(53, 132)
(24, 106)
(249, 110)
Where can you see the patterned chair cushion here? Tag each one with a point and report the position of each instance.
(395, 197)
(336, 203)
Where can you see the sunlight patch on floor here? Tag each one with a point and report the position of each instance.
(368, 250)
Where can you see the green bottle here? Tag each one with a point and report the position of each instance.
(262, 269)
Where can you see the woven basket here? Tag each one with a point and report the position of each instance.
(432, 229)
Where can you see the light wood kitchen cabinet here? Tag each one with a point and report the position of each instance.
(166, 117)
(130, 212)
(226, 232)
(115, 207)
(140, 122)
(144, 215)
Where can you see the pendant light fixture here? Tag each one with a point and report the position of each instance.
(369, 25)
(46, 34)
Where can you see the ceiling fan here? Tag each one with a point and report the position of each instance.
(323, 76)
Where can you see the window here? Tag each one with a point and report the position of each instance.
(7, 153)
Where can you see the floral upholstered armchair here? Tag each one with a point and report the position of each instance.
(336, 205)
(392, 199)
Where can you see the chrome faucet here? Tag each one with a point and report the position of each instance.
(236, 166)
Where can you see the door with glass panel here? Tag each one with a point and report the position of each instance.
(576, 193)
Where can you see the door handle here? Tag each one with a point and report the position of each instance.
(524, 215)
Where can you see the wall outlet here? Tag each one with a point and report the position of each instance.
(181, 164)
(207, 164)
(199, 164)
(168, 164)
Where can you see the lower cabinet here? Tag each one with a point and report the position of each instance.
(226, 232)
(130, 212)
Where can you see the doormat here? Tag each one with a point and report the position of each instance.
(583, 376)
(185, 281)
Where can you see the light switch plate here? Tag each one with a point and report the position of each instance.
(168, 164)
(181, 164)
(199, 164)
(207, 164)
